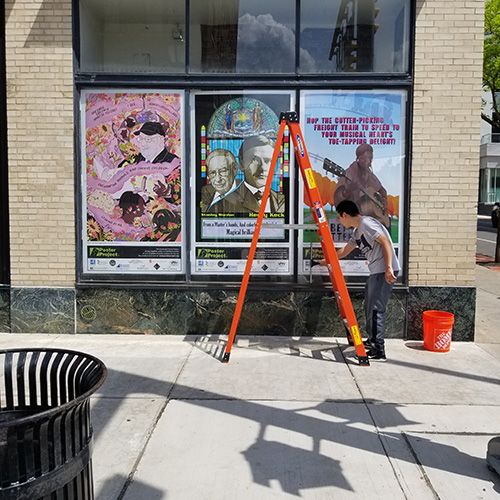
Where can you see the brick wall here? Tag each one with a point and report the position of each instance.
(448, 69)
(445, 163)
(40, 142)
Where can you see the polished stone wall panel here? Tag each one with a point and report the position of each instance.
(461, 301)
(42, 310)
(4, 310)
(211, 312)
(180, 312)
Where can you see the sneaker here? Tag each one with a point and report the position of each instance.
(376, 356)
(367, 343)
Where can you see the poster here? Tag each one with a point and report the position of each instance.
(362, 133)
(132, 175)
(234, 136)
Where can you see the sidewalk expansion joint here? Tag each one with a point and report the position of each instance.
(420, 467)
(375, 426)
(151, 430)
(451, 433)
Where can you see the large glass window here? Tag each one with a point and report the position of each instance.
(164, 198)
(235, 135)
(354, 36)
(126, 36)
(132, 182)
(362, 133)
(242, 36)
(490, 185)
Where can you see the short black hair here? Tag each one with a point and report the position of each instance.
(347, 207)
(130, 199)
(151, 128)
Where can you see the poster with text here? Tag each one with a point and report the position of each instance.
(132, 156)
(362, 134)
(234, 136)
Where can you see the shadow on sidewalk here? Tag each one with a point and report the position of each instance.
(305, 347)
(325, 424)
(142, 490)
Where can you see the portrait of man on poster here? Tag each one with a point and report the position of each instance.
(360, 185)
(150, 142)
(221, 173)
(255, 157)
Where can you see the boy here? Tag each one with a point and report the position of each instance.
(375, 243)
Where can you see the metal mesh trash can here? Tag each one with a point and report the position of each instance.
(45, 426)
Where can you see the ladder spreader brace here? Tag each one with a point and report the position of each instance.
(344, 303)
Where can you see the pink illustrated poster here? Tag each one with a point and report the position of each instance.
(132, 180)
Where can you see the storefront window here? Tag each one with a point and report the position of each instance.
(354, 36)
(242, 36)
(133, 203)
(126, 36)
(362, 133)
(146, 214)
(234, 139)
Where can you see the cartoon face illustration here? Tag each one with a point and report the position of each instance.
(132, 205)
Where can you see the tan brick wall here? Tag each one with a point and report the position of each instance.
(448, 69)
(445, 163)
(40, 141)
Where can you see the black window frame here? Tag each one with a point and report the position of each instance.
(189, 82)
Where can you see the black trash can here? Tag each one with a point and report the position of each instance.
(45, 426)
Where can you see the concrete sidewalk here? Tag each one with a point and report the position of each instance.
(288, 418)
(488, 307)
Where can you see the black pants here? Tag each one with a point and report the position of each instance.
(377, 293)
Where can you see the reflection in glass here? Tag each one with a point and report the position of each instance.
(354, 36)
(127, 36)
(245, 36)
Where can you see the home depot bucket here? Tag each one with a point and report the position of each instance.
(438, 327)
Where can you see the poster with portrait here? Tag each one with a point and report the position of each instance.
(362, 133)
(132, 171)
(234, 136)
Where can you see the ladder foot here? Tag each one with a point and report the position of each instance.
(363, 361)
(225, 359)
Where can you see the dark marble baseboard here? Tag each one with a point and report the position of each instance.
(211, 311)
(4, 310)
(461, 301)
(42, 310)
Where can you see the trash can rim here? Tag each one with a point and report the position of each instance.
(65, 406)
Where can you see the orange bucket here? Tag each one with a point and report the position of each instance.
(438, 328)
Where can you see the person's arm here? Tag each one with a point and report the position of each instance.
(346, 250)
(386, 245)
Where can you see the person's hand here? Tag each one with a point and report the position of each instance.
(390, 277)
(321, 262)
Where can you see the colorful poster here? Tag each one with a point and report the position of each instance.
(234, 136)
(361, 133)
(131, 182)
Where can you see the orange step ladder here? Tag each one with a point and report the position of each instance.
(344, 303)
